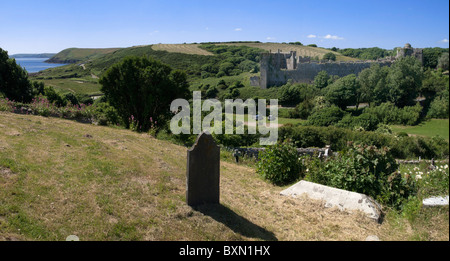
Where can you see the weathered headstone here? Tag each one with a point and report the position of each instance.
(343, 199)
(203, 172)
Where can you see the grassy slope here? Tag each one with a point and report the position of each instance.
(301, 50)
(429, 128)
(113, 184)
(74, 55)
(181, 48)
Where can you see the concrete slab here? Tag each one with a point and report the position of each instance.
(343, 199)
(435, 201)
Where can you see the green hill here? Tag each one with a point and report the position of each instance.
(33, 55)
(87, 65)
(75, 55)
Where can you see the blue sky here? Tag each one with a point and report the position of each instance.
(37, 26)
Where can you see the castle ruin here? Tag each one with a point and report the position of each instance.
(278, 68)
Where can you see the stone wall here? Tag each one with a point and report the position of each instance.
(305, 72)
(278, 68)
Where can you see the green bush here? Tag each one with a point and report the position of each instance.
(434, 182)
(105, 114)
(364, 169)
(388, 113)
(401, 147)
(326, 117)
(279, 164)
(439, 108)
(367, 121)
(330, 57)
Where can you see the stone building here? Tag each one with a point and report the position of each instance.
(409, 51)
(278, 68)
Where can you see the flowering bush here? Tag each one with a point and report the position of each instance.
(7, 105)
(432, 181)
(41, 106)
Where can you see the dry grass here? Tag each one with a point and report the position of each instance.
(181, 48)
(301, 50)
(113, 184)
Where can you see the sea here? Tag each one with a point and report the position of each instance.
(34, 65)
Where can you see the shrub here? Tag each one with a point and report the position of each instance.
(143, 88)
(439, 108)
(434, 182)
(105, 114)
(366, 121)
(326, 117)
(364, 169)
(6, 105)
(330, 57)
(279, 164)
(401, 147)
(388, 113)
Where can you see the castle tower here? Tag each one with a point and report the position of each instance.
(407, 50)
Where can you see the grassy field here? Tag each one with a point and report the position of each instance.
(429, 128)
(61, 178)
(181, 48)
(301, 50)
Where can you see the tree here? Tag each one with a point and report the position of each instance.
(329, 57)
(321, 80)
(433, 84)
(443, 62)
(373, 84)
(431, 56)
(14, 83)
(404, 80)
(344, 91)
(289, 95)
(142, 89)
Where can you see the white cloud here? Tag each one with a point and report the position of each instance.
(271, 38)
(238, 29)
(444, 40)
(312, 36)
(154, 32)
(333, 37)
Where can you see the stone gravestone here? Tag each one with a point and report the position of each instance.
(203, 172)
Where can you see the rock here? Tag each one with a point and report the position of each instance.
(343, 199)
(72, 238)
(372, 238)
(435, 201)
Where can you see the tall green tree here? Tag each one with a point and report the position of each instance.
(404, 80)
(14, 83)
(321, 80)
(142, 89)
(329, 57)
(373, 84)
(344, 91)
(443, 62)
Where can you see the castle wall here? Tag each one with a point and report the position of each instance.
(305, 72)
(277, 68)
